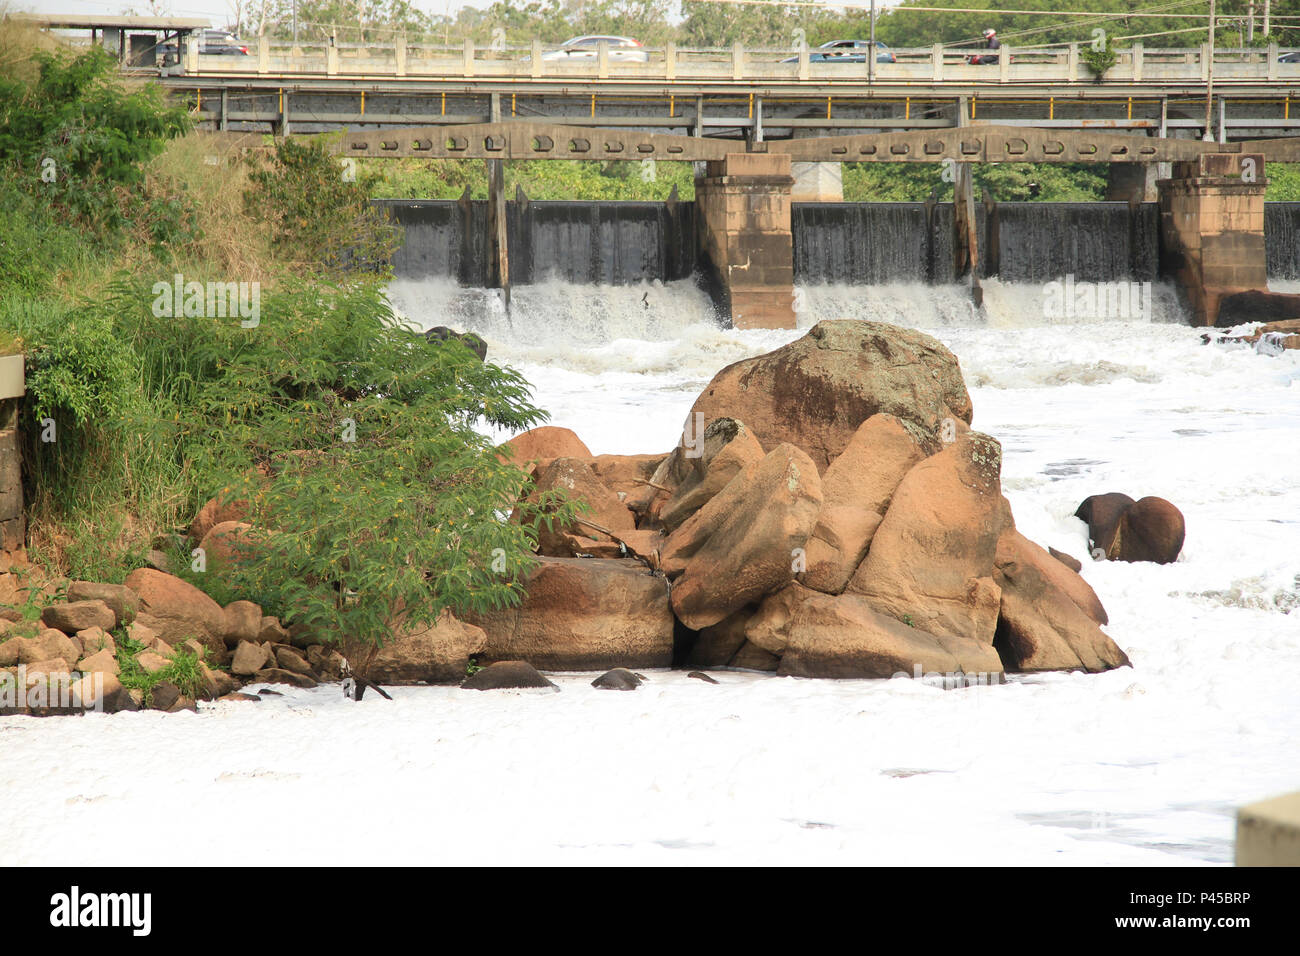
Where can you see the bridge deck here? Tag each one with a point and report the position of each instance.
(744, 94)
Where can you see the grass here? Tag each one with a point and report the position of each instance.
(184, 669)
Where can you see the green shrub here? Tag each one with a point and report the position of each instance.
(79, 136)
(356, 443)
(318, 213)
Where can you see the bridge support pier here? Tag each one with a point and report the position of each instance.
(498, 245)
(1212, 230)
(743, 217)
(965, 241)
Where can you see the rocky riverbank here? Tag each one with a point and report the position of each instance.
(829, 512)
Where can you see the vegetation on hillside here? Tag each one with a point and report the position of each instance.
(198, 323)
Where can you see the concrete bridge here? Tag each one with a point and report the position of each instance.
(741, 93)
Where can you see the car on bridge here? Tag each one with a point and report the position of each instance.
(621, 49)
(847, 51)
(211, 43)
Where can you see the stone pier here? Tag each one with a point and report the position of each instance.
(743, 216)
(13, 524)
(1212, 230)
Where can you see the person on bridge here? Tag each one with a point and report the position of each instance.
(991, 42)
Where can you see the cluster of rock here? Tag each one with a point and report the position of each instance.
(828, 513)
(73, 646)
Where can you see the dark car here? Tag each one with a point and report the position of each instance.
(1289, 58)
(211, 43)
(846, 51)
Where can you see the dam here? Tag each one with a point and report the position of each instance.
(602, 243)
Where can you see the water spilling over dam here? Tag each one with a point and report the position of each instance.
(622, 243)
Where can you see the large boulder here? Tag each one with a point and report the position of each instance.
(605, 512)
(1152, 530)
(625, 475)
(1121, 529)
(1013, 546)
(726, 450)
(747, 541)
(930, 564)
(1041, 625)
(102, 692)
(176, 610)
(75, 616)
(857, 487)
(542, 444)
(844, 636)
(249, 658)
(244, 622)
(49, 643)
(229, 544)
(214, 512)
(718, 644)
(437, 654)
(584, 614)
(816, 391)
(122, 600)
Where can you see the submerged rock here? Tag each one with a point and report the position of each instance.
(440, 333)
(507, 675)
(1121, 529)
(620, 678)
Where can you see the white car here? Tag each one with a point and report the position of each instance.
(621, 49)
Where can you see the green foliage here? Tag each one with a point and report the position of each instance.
(34, 241)
(78, 367)
(1283, 182)
(80, 138)
(408, 518)
(317, 212)
(184, 669)
(1006, 182)
(539, 179)
(1099, 60)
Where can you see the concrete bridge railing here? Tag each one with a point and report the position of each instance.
(1135, 65)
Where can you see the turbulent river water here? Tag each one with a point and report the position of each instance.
(1143, 765)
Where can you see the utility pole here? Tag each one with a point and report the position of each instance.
(871, 47)
(295, 22)
(1209, 83)
(1250, 22)
(1267, 3)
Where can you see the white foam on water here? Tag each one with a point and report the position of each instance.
(1136, 766)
